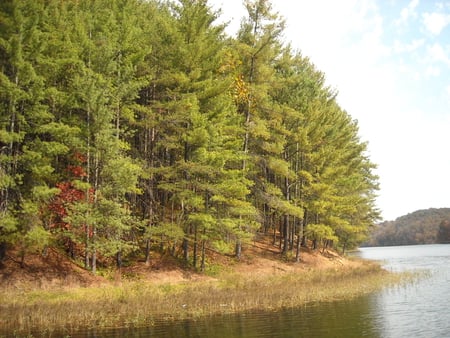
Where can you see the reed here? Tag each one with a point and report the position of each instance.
(138, 303)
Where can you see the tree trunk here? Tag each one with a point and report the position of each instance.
(202, 265)
(119, 259)
(285, 234)
(185, 246)
(86, 249)
(147, 251)
(293, 228)
(274, 242)
(297, 252)
(286, 219)
(94, 261)
(2, 252)
(71, 249)
(22, 258)
(194, 259)
(280, 229)
(150, 223)
(238, 249)
(303, 226)
(314, 244)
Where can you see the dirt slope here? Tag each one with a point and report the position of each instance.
(57, 271)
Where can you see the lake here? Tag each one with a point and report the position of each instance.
(417, 309)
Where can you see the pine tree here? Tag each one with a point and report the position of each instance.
(105, 91)
(27, 162)
(266, 119)
(128, 123)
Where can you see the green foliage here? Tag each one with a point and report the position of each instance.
(36, 238)
(9, 227)
(418, 227)
(320, 232)
(444, 232)
(131, 122)
(167, 231)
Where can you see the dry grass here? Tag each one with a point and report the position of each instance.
(56, 295)
(136, 303)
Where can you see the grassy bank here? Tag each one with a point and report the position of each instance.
(136, 303)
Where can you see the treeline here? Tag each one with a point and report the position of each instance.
(427, 226)
(129, 126)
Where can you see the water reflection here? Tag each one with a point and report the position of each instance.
(337, 319)
(418, 309)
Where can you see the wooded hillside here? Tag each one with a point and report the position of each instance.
(129, 126)
(420, 227)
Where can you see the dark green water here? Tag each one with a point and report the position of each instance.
(325, 320)
(418, 309)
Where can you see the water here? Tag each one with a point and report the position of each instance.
(418, 309)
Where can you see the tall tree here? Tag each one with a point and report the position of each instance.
(127, 123)
(259, 45)
(105, 91)
(27, 149)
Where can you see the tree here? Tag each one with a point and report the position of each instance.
(202, 152)
(444, 232)
(28, 150)
(265, 134)
(130, 124)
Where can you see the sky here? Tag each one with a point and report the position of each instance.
(389, 61)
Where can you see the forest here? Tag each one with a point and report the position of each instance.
(134, 126)
(427, 226)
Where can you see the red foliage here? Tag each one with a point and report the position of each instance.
(68, 194)
(80, 157)
(59, 207)
(76, 170)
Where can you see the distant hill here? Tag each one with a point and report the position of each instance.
(419, 227)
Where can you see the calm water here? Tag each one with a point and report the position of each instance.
(419, 309)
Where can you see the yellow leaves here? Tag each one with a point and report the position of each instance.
(241, 90)
(229, 63)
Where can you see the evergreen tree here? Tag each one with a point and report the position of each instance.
(202, 151)
(259, 46)
(27, 150)
(127, 123)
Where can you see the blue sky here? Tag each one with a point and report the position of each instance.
(390, 62)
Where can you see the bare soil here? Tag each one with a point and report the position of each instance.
(260, 257)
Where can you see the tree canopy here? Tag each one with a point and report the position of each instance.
(129, 126)
(427, 226)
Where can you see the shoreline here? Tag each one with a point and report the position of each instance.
(132, 303)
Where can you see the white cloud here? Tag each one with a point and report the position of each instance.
(404, 47)
(408, 12)
(432, 71)
(414, 174)
(399, 94)
(436, 53)
(347, 43)
(435, 22)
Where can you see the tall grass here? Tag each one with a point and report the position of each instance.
(140, 303)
